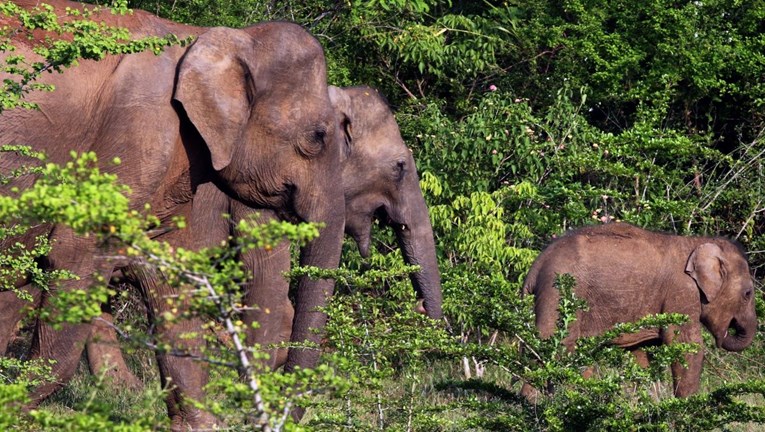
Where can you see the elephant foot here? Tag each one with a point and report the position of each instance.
(195, 420)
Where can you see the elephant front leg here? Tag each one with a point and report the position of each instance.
(308, 323)
(686, 380)
(267, 292)
(184, 377)
(267, 299)
(182, 373)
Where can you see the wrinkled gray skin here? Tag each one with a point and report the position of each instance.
(380, 181)
(246, 110)
(625, 273)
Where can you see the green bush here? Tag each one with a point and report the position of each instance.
(526, 118)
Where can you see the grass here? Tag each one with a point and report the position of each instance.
(89, 393)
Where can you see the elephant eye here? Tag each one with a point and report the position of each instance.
(748, 294)
(311, 144)
(319, 135)
(399, 170)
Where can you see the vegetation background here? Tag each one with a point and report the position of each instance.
(526, 118)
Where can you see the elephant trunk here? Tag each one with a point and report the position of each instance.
(743, 333)
(418, 248)
(312, 295)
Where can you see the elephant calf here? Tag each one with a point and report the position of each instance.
(625, 273)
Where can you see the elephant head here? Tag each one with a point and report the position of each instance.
(722, 275)
(380, 181)
(259, 100)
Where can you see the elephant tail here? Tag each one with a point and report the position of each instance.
(530, 283)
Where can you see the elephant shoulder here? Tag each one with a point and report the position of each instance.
(620, 230)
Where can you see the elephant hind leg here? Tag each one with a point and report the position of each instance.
(64, 347)
(77, 255)
(105, 356)
(12, 310)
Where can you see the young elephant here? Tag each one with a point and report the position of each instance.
(625, 273)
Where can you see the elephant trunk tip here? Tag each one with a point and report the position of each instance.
(428, 310)
(419, 307)
(737, 338)
(363, 240)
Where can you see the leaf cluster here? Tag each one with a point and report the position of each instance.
(66, 41)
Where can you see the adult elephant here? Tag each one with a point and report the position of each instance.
(246, 110)
(379, 180)
(625, 273)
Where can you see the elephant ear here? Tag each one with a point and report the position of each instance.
(705, 266)
(341, 103)
(215, 88)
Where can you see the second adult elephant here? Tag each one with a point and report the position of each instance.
(380, 182)
(625, 273)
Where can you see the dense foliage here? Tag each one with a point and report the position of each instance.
(526, 118)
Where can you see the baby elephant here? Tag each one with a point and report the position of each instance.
(625, 273)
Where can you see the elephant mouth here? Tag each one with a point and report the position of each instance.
(383, 216)
(290, 210)
(361, 231)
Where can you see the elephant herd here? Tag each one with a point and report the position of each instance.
(243, 122)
